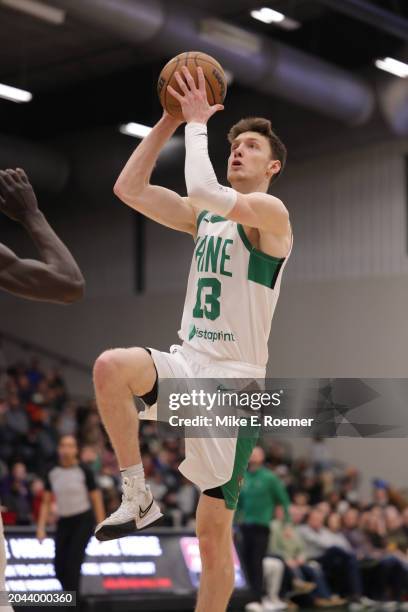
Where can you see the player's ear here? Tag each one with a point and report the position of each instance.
(274, 167)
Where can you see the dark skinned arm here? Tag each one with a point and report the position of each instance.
(56, 277)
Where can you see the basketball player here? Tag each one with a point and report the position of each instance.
(243, 239)
(56, 278)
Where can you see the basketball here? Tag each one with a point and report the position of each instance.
(215, 81)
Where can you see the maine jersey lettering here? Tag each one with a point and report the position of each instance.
(231, 293)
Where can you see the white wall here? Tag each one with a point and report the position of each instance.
(349, 214)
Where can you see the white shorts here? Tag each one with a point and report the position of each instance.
(209, 462)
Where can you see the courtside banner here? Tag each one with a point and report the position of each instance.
(321, 407)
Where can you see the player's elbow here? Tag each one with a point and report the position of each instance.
(74, 291)
(125, 191)
(117, 190)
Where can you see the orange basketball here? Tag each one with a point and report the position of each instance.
(215, 81)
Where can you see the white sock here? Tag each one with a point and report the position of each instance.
(134, 471)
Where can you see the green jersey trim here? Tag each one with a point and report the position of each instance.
(251, 248)
(201, 217)
(217, 219)
(262, 268)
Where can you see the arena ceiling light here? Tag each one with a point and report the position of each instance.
(268, 15)
(395, 67)
(37, 9)
(135, 129)
(14, 94)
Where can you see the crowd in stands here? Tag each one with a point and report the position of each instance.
(35, 410)
(343, 547)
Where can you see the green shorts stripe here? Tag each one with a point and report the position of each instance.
(247, 439)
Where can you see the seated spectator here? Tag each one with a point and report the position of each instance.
(16, 494)
(334, 524)
(16, 418)
(335, 561)
(385, 575)
(287, 543)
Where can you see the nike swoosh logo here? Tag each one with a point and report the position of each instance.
(142, 513)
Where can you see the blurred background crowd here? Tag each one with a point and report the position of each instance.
(320, 511)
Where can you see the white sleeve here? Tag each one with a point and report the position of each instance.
(201, 181)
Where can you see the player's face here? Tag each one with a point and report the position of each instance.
(250, 158)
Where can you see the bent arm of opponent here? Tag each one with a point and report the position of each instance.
(57, 277)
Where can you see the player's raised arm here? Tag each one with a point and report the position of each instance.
(255, 209)
(56, 278)
(134, 189)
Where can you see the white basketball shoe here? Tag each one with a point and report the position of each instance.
(137, 511)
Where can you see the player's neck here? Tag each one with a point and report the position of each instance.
(250, 186)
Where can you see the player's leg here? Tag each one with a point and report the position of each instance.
(214, 531)
(119, 375)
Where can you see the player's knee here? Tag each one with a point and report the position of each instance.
(214, 545)
(106, 367)
(209, 551)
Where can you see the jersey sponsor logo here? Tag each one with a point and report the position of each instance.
(209, 334)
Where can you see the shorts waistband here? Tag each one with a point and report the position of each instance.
(250, 370)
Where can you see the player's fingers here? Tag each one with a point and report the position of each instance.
(201, 79)
(181, 82)
(214, 109)
(174, 93)
(7, 178)
(22, 175)
(3, 184)
(189, 78)
(14, 174)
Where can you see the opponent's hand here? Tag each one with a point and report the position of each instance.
(194, 103)
(17, 197)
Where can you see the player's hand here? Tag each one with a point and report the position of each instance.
(41, 535)
(17, 197)
(193, 101)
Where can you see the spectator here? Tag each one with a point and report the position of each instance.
(16, 494)
(338, 538)
(287, 543)
(261, 492)
(333, 559)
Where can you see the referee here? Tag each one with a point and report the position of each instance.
(79, 504)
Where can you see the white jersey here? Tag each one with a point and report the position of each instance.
(231, 295)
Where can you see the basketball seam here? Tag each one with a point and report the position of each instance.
(207, 81)
(220, 68)
(168, 81)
